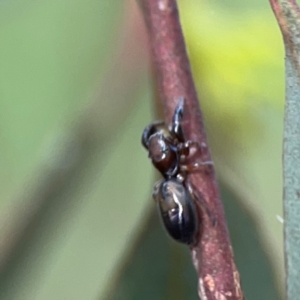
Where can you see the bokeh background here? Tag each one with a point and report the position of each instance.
(76, 216)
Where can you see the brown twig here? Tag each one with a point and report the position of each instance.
(212, 256)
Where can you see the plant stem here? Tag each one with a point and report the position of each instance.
(212, 256)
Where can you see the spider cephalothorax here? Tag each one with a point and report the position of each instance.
(167, 147)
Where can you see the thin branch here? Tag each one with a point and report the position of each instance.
(288, 16)
(212, 256)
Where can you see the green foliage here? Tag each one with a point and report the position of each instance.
(287, 14)
(236, 63)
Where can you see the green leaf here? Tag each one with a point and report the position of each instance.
(157, 268)
(251, 258)
(287, 14)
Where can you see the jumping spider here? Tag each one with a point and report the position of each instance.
(168, 151)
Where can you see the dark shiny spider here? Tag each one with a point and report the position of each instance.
(168, 151)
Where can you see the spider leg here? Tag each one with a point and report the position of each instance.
(196, 166)
(185, 147)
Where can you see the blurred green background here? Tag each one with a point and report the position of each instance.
(77, 218)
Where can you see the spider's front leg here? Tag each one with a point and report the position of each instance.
(184, 150)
